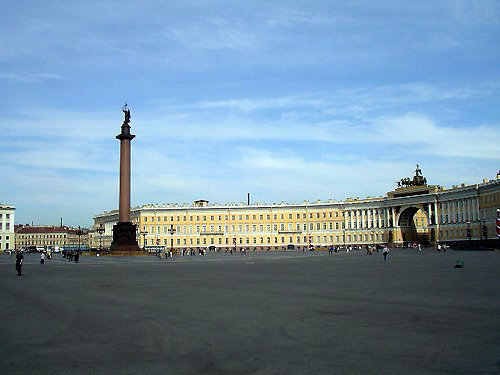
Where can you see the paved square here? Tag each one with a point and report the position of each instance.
(264, 313)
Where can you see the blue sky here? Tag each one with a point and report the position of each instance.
(287, 100)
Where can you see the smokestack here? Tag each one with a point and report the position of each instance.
(248, 198)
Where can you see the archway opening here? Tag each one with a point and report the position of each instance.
(414, 224)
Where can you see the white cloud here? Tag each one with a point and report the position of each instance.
(30, 78)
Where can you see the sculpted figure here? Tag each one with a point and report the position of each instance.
(126, 111)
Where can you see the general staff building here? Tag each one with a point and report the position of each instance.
(412, 212)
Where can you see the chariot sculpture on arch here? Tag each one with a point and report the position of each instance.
(418, 180)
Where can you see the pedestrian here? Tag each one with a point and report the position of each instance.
(419, 247)
(42, 258)
(77, 256)
(439, 248)
(386, 252)
(19, 262)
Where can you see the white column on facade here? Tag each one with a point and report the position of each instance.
(469, 209)
(379, 217)
(454, 210)
(436, 213)
(387, 217)
(393, 217)
(430, 214)
(368, 218)
(475, 208)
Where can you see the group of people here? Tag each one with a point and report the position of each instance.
(71, 255)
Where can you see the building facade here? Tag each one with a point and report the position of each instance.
(50, 236)
(413, 212)
(7, 236)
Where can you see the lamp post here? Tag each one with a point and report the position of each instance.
(484, 229)
(469, 233)
(100, 230)
(171, 231)
(79, 233)
(144, 234)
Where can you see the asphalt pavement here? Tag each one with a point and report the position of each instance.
(253, 313)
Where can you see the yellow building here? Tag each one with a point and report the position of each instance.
(49, 236)
(412, 212)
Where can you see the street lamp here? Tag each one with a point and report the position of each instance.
(100, 230)
(171, 231)
(144, 234)
(79, 232)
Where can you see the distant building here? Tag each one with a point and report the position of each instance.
(52, 236)
(414, 211)
(7, 236)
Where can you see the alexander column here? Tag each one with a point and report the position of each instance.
(124, 231)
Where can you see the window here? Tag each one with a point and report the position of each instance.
(290, 216)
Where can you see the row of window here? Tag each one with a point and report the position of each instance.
(246, 228)
(240, 217)
(42, 235)
(267, 240)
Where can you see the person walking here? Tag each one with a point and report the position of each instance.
(42, 258)
(386, 252)
(19, 262)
